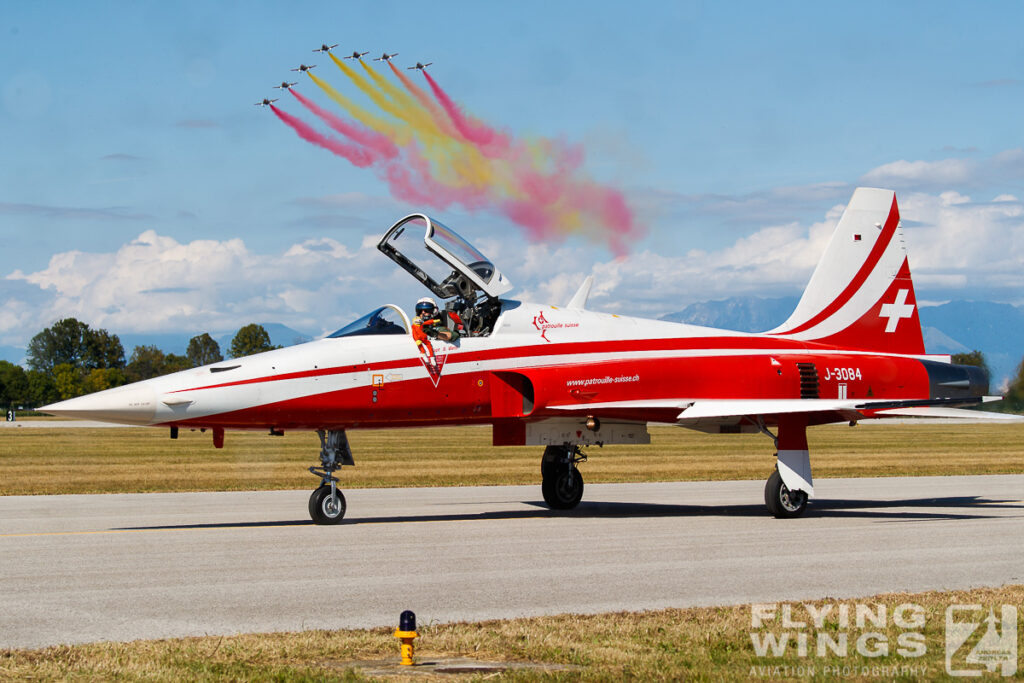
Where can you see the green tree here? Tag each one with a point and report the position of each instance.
(203, 350)
(68, 381)
(61, 343)
(973, 358)
(1015, 392)
(42, 388)
(99, 379)
(74, 343)
(251, 339)
(103, 350)
(146, 362)
(175, 363)
(13, 385)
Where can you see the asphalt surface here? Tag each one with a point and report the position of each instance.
(83, 568)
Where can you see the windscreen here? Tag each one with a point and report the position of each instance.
(463, 251)
(384, 320)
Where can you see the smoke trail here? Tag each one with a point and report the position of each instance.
(430, 151)
(357, 156)
(375, 122)
(425, 102)
(489, 140)
(383, 147)
(412, 117)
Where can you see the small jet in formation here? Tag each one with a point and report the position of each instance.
(266, 102)
(356, 55)
(303, 67)
(285, 85)
(419, 66)
(565, 377)
(385, 57)
(325, 48)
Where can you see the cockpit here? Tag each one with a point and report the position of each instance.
(450, 267)
(387, 319)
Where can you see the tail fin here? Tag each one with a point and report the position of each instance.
(861, 295)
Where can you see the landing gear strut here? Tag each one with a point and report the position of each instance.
(562, 483)
(327, 504)
(790, 485)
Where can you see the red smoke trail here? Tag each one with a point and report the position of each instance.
(358, 156)
(413, 180)
(486, 138)
(381, 145)
(439, 117)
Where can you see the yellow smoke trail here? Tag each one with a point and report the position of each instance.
(423, 125)
(399, 135)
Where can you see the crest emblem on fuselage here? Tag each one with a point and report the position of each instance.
(435, 368)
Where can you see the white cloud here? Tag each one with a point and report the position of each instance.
(959, 247)
(155, 283)
(902, 173)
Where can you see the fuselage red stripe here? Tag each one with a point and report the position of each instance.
(780, 346)
(862, 275)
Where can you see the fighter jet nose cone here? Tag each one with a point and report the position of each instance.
(131, 404)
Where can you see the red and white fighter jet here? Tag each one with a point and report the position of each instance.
(565, 377)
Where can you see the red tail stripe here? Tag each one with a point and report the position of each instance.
(858, 280)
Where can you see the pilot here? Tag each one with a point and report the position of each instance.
(430, 323)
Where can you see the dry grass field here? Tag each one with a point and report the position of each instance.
(47, 461)
(701, 644)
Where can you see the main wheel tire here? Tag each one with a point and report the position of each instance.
(782, 502)
(563, 490)
(326, 510)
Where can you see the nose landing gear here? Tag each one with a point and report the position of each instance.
(327, 504)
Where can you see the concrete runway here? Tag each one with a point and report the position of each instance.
(119, 567)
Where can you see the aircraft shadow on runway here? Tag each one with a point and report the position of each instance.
(921, 509)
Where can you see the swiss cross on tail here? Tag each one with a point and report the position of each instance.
(897, 310)
(861, 294)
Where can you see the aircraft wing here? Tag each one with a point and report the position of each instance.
(697, 411)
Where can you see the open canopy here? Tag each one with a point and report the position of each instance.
(445, 262)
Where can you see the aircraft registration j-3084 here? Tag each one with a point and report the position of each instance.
(565, 377)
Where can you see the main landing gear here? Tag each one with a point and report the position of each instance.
(790, 486)
(782, 502)
(327, 503)
(562, 483)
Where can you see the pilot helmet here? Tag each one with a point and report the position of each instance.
(425, 306)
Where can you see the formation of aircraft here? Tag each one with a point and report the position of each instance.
(325, 48)
(385, 57)
(419, 66)
(565, 377)
(266, 102)
(285, 85)
(303, 67)
(356, 55)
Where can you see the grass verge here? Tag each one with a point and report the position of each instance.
(706, 643)
(142, 460)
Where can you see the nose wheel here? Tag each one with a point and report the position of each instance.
(327, 503)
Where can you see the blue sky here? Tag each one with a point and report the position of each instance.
(141, 191)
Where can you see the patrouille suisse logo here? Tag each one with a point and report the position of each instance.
(543, 324)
